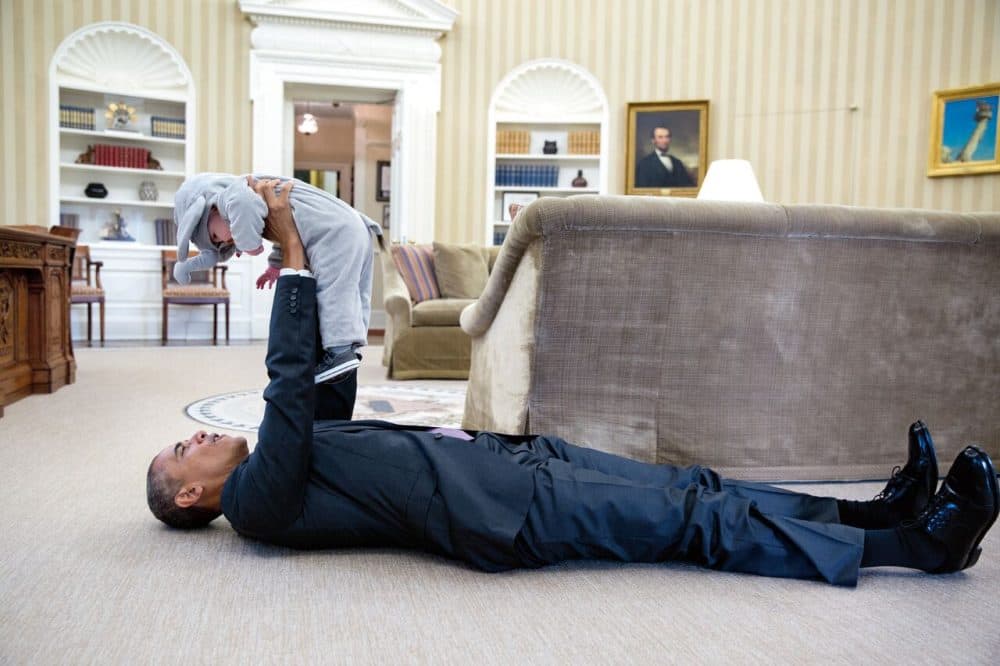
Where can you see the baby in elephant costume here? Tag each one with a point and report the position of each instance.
(223, 215)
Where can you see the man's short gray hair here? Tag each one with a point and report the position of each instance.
(160, 492)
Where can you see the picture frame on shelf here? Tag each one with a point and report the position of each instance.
(964, 138)
(519, 198)
(383, 172)
(659, 131)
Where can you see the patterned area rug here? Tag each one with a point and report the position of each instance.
(243, 410)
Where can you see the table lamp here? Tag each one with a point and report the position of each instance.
(730, 180)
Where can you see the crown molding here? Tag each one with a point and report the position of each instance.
(419, 17)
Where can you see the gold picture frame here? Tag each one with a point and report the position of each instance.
(964, 137)
(686, 123)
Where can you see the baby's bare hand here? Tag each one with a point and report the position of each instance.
(268, 277)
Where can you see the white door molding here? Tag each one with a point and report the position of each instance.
(387, 45)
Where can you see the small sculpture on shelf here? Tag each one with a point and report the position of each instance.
(86, 157)
(579, 181)
(148, 191)
(119, 115)
(550, 148)
(116, 229)
(96, 190)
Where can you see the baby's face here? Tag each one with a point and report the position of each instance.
(218, 228)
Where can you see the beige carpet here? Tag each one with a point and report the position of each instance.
(87, 575)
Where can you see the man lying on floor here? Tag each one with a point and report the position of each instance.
(500, 502)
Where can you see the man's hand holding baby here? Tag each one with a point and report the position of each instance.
(279, 227)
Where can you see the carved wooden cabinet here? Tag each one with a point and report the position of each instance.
(36, 352)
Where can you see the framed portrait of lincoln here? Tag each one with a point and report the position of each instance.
(666, 147)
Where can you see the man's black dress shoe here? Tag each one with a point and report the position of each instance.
(911, 488)
(962, 511)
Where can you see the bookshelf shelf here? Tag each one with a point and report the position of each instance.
(120, 136)
(110, 169)
(547, 190)
(117, 202)
(548, 158)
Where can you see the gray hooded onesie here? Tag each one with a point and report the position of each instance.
(337, 241)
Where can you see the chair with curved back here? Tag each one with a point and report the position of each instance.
(205, 289)
(86, 288)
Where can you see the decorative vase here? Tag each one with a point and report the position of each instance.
(579, 181)
(96, 190)
(550, 148)
(148, 191)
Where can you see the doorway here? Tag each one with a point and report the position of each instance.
(345, 148)
(391, 54)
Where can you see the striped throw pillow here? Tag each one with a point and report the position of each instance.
(416, 265)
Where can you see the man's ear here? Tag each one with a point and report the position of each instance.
(188, 495)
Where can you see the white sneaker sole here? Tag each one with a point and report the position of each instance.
(330, 373)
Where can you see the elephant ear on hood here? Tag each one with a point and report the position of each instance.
(192, 204)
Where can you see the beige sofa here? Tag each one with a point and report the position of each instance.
(423, 340)
(768, 341)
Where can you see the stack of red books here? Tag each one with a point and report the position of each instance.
(131, 157)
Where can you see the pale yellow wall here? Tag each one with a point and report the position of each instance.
(212, 37)
(780, 76)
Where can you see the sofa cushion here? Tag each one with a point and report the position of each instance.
(490, 255)
(460, 269)
(439, 311)
(416, 267)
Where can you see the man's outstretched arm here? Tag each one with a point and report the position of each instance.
(266, 491)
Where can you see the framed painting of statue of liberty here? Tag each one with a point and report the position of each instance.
(964, 138)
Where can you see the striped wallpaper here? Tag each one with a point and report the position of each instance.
(211, 35)
(830, 99)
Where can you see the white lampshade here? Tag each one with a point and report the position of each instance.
(730, 180)
(308, 125)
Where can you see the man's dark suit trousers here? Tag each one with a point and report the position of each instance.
(592, 505)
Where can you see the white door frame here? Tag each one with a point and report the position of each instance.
(332, 44)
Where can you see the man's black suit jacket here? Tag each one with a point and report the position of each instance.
(366, 483)
(650, 172)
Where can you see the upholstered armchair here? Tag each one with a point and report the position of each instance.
(422, 337)
(768, 341)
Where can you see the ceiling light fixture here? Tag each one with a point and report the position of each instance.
(308, 125)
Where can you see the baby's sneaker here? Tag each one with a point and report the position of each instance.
(334, 366)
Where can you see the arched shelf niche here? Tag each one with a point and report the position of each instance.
(539, 101)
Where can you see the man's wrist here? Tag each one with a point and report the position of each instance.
(292, 254)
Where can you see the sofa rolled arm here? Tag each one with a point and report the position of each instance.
(525, 229)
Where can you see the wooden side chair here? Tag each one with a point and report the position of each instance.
(204, 289)
(86, 287)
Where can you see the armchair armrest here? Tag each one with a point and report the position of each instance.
(395, 296)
